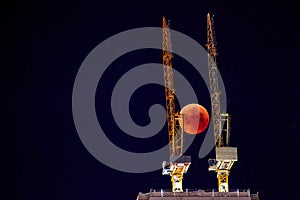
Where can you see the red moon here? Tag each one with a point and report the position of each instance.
(195, 118)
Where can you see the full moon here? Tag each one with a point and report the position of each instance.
(195, 118)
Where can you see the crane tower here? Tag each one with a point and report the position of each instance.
(225, 155)
(178, 164)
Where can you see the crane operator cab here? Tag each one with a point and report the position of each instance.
(212, 164)
(166, 168)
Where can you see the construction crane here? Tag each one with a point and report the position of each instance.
(225, 155)
(178, 164)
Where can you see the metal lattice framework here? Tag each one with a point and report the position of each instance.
(173, 118)
(214, 85)
(178, 164)
(225, 155)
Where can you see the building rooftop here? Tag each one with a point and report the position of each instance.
(188, 194)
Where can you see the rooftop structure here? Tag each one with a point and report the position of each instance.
(161, 194)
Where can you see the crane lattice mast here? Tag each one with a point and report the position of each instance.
(175, 135)
(178, 164)
(225, 155)
(214, 84)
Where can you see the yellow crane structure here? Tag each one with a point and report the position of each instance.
(178, 164)
(225, 155)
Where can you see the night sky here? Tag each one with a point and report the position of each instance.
(44, 44)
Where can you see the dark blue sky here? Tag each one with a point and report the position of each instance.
(44, 45)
